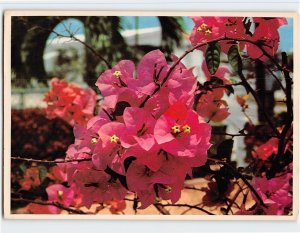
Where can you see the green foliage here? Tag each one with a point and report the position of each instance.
(212, 57)
(234, 58)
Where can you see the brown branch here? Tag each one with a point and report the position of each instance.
(56, 204)
(29, 160)
(187, 205)
(283, 139)
(178, 205)
(161, 209)
(232, 201)
(71, 36)
(259, 103)
(237, 174)
(225, 38)
(276, 78)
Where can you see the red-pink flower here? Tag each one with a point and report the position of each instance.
(60, 194)
(117, 79)
(265, 150)
(70, 102)
(207, 28)
(98, 186)
(181, 132)
(110, 149)
(211, 107)
(275, 193)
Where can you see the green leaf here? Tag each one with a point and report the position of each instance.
(234, 58)
(42, 173)
(212, 57)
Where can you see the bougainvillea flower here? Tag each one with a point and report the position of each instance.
(181, 132)
(61, 194)
(113, 106)
(207, 29)
(139, 180)
(70, 102)
(151, 70)
(34, 208)
(117, 79)
(212, 109)
(31, 179)
(57, 174)
(275, 193)
(116, 206)
(265, 150)
(98, 186)
(87, 136)
(141, 130)
(109, 152)
(266, 34)
(152, 158)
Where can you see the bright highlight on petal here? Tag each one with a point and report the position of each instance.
(117, 74)
(176, 129)
(114, 138)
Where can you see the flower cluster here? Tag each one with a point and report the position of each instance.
(152, 128)
(145, 139)
(276, 193)
(247, 31)
(70, 102)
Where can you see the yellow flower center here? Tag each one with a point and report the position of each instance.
(186, 129)
(176, 129)
(204, 28)
(208, 31)
(117, 74)
(94, 140)
(114, 138)
(60, 193)
(168, 189)
(158, 199)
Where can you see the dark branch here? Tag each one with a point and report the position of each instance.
(56, 204)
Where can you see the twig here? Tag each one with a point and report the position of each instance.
(276, 78)
(178, 205)
(29, 160)
(56, 204)
(289, 102)
(260, 105)
(225, 38)
(232, 201)
(187, 205)
(239, 175)
(71, 36)
(161, 209)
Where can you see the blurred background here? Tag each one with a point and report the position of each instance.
(43, 48)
